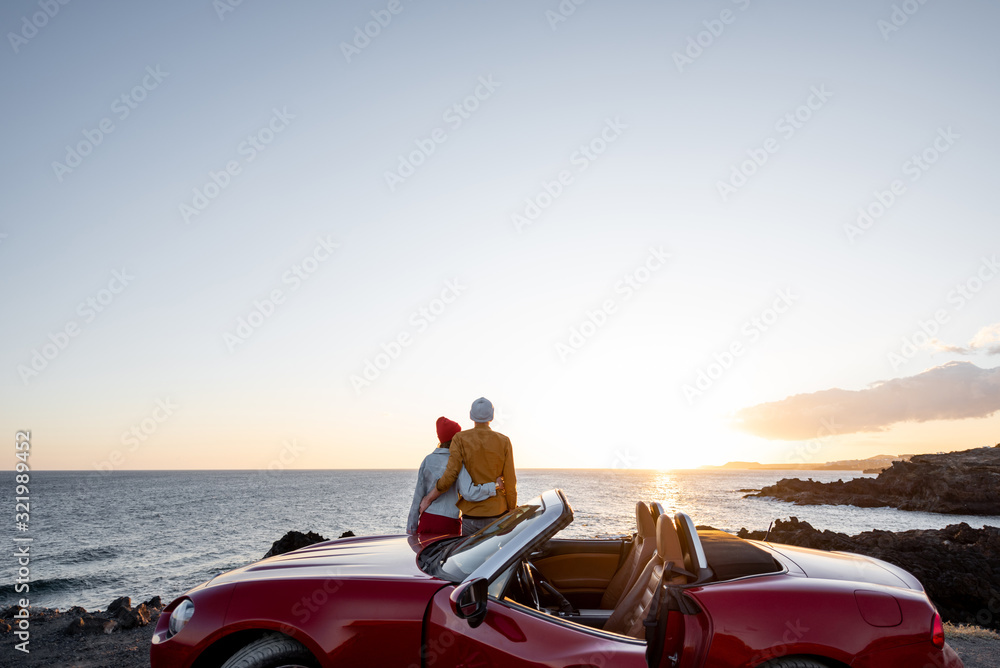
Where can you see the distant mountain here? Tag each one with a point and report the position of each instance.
(870, 465)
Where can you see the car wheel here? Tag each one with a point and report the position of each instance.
(793, 662)
(275, 651)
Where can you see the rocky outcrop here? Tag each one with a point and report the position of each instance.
(957, 483)
(119, 615)
(293, 540)
(959, 566)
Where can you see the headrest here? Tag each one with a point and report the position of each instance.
(644, 525)
(668, 543)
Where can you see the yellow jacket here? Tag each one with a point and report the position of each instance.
(486, 454)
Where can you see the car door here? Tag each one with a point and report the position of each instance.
(512, 635)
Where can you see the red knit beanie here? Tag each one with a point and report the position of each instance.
(447, 429)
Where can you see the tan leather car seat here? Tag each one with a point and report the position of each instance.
(633, 607)
(642, 551)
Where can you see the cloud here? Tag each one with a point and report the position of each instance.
(954, 391)
(987, 339)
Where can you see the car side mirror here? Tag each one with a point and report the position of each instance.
(468, 601)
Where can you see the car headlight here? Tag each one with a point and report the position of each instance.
(181, 615)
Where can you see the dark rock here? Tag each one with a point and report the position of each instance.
(957, 565)
(957, 483)
(76, 611)
(293, 540)
(131, 618)
(8, 613)
(123, 603)
(347, 534)
(89, 625)
(154, 603)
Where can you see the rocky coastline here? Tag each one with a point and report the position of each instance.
(955, 483)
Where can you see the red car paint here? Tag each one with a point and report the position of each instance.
(366, 602)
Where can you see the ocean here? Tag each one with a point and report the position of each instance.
(98, 536)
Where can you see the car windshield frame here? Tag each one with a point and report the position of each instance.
(491, 550)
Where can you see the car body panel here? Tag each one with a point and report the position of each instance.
(841, 566)
(764, 617)
(372, 557)
(512, 635)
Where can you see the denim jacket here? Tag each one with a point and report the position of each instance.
(430, 470)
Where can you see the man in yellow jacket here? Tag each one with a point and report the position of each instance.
(486, 454)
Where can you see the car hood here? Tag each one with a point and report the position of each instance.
(841, 566)
(379, 557)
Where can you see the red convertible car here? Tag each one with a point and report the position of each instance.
(515, 595)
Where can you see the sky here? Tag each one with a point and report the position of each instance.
(656, 235)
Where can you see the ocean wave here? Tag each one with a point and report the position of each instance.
(77, 557)
(58, 586)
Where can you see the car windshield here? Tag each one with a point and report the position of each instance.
(457, 558)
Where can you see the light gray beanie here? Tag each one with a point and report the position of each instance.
(482, 410)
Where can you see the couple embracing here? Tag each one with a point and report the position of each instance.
(468, 481)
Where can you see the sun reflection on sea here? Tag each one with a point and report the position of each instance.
(664, 488)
